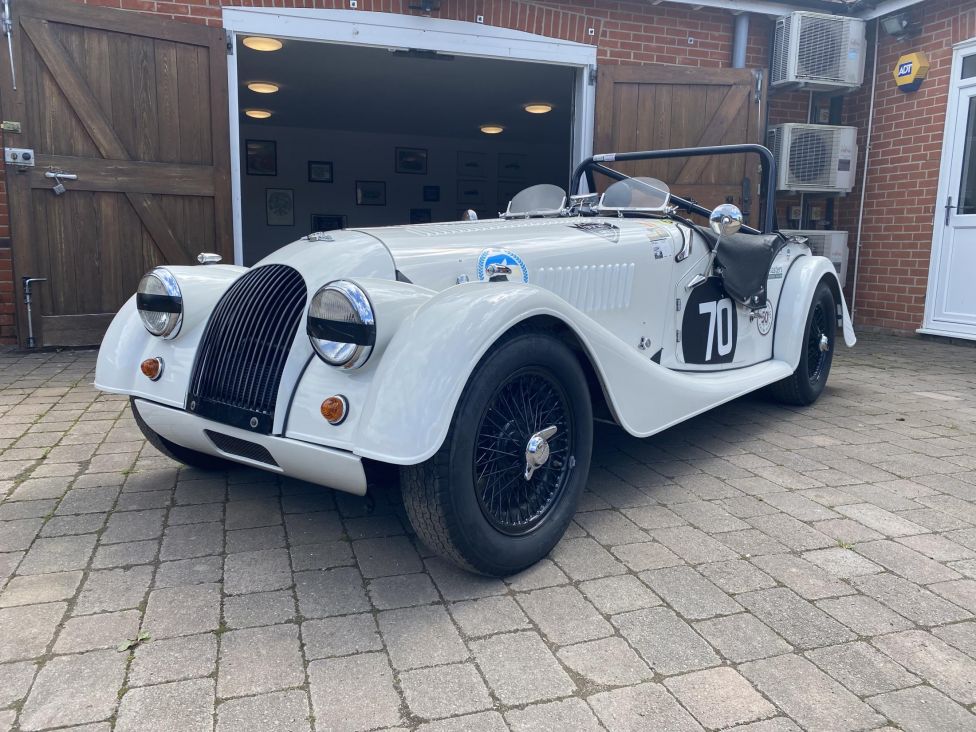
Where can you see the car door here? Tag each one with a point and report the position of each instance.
(711, 331)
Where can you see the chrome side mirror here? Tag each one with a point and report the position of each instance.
(469, 215)
(725, 220)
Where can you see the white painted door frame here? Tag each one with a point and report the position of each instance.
(950, 139)
(392, 30)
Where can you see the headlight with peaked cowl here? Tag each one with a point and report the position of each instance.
(341, 326)
(160, 303)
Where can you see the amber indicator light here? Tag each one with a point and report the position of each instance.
(152, 368)
(334, 409)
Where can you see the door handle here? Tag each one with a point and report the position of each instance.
(59, 174)
(948, 209)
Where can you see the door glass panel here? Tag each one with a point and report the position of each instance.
(967, 184)
(969, 67)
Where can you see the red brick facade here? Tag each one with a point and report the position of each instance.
(894, 263)
(903, 170)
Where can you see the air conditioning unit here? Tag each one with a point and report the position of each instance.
(818, 52)
(829, 244)
(817, 158)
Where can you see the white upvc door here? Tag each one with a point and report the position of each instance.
(951, 299)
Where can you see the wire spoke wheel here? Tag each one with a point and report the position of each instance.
(528, 401)
(817, 358)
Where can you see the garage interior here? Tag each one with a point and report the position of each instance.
(366, 136)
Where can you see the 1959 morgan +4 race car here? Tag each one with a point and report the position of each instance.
(475, 355)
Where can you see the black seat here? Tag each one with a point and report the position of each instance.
(744, 261)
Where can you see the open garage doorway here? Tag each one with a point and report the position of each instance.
(349, 135)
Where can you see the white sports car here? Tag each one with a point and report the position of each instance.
(475, 355)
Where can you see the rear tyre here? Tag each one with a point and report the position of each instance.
(471, 502)
(806, 384)
(173, 451)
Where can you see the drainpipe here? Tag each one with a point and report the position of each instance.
(864, 175)
(740, 39)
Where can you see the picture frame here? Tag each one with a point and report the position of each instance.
(328, 222)
(261, 157)
(472, 164)
(470, 192)
(411, 160)
(279, 206)
(432, 194)
(511, 166)
(370, 193)
(420, 216)
(319, 171)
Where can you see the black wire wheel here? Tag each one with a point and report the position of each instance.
(500, 492)
(807, 383)
(527, 403)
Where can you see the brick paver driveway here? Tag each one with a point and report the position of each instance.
(758, 566)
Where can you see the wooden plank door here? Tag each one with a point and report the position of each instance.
(657, 107)
(136, 107)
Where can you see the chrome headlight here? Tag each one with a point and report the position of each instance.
(160, 303)
(341, 326)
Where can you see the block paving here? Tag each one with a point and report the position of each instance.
(758, 568)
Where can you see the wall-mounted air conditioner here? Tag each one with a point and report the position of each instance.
(829, 244)
(818, 52)
(817, 158)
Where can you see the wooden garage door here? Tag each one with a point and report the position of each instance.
(656, 107)
(136, 107)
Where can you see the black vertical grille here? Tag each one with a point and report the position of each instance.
(243, 350)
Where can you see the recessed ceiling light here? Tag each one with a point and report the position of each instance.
(263, 87)
(260, 43)
(492, 129)
(539, 108)
(257, 113)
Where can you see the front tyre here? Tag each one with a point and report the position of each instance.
(806, 384)
(471, 501)
(180, 454)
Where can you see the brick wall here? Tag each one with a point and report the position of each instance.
(903, 170)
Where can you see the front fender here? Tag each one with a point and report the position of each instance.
(802, 279)
(421, 375)
(127, 342)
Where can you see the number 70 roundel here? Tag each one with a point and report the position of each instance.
(709, 327)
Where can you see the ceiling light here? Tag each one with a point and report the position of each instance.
(257, 113)
(263, 87)
(260, 43)
(492, 129)
(539, 108)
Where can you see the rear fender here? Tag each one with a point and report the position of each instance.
(802, 279)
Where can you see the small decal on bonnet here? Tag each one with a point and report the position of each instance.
(603, 229)
(776, 273)
(655, 230)
(502, 257)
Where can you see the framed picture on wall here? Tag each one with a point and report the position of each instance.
(370, 193)
(411, 160)
(328, 222)
(470, 191)
(472, 165)
(511, 166)
(280, 206)
(420, 216)
(432, 194)
(319, 171)
(261, 156)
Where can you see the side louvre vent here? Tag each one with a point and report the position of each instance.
(242, 353)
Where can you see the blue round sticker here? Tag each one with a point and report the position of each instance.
(502, 257)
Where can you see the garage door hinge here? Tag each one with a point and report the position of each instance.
(230, 45)
(677, 336)
(592, 75)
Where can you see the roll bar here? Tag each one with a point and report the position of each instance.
(594, 164)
